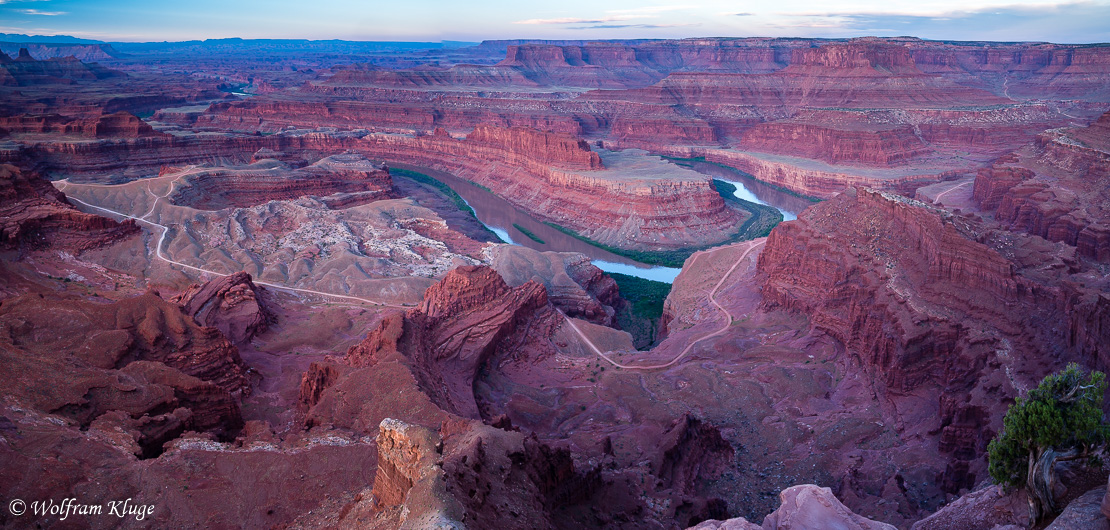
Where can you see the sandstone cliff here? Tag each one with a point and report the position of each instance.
(26, 70)
(630, 204)
(547, 148)
(933, 303)
(1055, 188)
(121, 124)
(341, 181)
(469, 475)
(880, 147)
(34, 215)
(463, 322)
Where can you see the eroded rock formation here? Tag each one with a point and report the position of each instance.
(574, 284)
(985, 508)
(341, 180)
(232, 304)
(464, 320)
(928, 301)
(1056, 188)
(121, 124)
(803, 507)
(138, 364)
(35, 215)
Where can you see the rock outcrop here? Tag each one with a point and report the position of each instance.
(809, 506)
(1083, 513)
(469, 475)
(574, 284)
(139, 365)
(410, 476)
(803, 507)
(928, 302)
(1055, 188)
(985, 508)
(464, 320)
(143, 328)
(232, 304)
(34, 215)
(691, 450)
(341, 181)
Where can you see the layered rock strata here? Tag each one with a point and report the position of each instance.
(35, 215)
(623, 205)
(1056, 188)
(547, 148)
(121, 124)
(934, 303)
(232, 304)
(463, 321)
(342, 180)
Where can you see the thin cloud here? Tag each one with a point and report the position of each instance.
(1068, 22)
(742, 14)
(41, 13)
(612, 15)
(650, 9)
(1029, 10)
(602, 20)
(637, 26)
(809, 25)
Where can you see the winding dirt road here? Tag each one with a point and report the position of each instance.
(751, 245)
(162, 237)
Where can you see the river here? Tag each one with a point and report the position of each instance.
(499, 216)
(750, 189)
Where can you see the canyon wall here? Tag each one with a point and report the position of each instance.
(605, 205)
(1056, 188)
(926, 307)
(116, 125)
(34, 215)
(882, 147)
(556, 150)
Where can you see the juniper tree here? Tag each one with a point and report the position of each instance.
(1059, 420)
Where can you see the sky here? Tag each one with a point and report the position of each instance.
(461, 20)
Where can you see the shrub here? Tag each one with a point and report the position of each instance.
(1059, 420)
